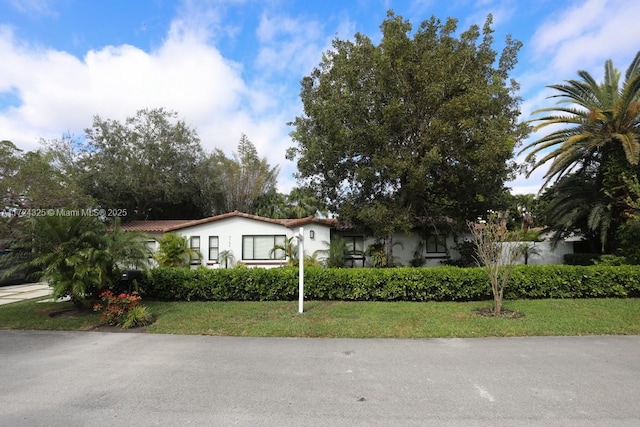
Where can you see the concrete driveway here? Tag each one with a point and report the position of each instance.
(15, 293)
(113, 379)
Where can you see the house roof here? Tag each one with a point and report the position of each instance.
(165, 226)
(155, 226)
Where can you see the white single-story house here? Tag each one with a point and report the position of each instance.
(250, 239)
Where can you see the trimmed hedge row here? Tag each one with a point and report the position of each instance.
(394, 284)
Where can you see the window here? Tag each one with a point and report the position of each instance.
(260, 247)
(355, 245)
(151, 246)
(213, 248)
(194, 243)
(355, 250)
(436, 244)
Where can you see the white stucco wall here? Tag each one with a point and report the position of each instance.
(230, 232)
(547, 254)
(404, 248)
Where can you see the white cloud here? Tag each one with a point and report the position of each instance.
(61, 93)
(584, 36)
(34, 7)
(288, 44)
(501, 12)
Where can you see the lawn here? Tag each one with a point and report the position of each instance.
(338, 319)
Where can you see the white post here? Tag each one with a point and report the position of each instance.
(301, 270)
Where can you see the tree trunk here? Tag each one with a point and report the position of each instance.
(497, 305)
(388, 247)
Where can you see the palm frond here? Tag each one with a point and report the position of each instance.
(630, 144)
(634, 67)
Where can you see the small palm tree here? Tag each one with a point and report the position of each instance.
(378, 256)
(287, 251)
(226, 258)
(336, 252)
(528, 250)
(174, 251)
(60, 246)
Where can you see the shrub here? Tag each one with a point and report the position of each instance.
(581, 259)
(398, 284)
(610, 259)
(122, 310)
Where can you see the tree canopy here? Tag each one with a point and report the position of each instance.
(32, 181)
(146, 165)
(236, 183)
(419, 128)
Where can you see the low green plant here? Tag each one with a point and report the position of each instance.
(136, 317)
(378, 257)
(335, 253)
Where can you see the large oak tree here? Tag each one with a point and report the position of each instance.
(420, 127)
(147, 164)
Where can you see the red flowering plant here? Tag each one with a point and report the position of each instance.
(114, 308)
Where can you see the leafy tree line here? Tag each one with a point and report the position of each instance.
(151, 166)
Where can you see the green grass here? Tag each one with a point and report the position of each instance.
(357, 319)
(41, 315)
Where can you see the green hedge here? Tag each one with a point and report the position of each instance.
(394, 284)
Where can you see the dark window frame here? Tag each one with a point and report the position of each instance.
(196, 258)
(216, 247)
(440, 244)
(275, 237)
(351, 245)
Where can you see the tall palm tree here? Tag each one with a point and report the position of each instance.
(598, 143)
(598, 118)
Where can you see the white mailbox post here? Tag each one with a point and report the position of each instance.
(300, 237)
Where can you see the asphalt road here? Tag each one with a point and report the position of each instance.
(112, 379)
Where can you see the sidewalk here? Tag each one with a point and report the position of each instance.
(15, 293)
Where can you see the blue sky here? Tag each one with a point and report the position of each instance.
(233, 67)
